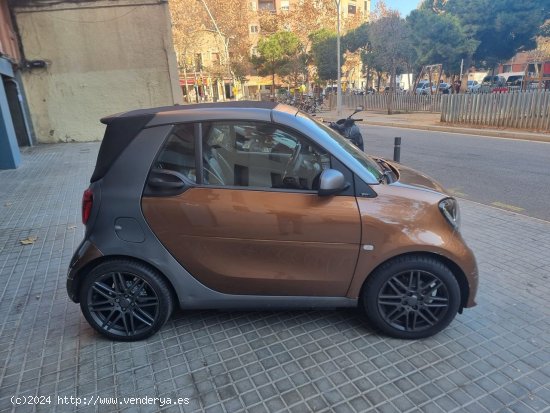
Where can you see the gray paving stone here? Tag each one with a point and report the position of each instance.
(492, 358)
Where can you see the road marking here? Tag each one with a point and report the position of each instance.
(507, 206)
(455, 191)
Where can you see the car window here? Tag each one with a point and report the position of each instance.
(178, 153)
(260, 155)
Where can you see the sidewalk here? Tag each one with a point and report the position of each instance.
(430, 121)
(493, 358)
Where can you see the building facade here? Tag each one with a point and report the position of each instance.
(528, 63)
(91, 59)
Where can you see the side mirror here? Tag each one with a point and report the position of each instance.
(331, 182)
(359, 108)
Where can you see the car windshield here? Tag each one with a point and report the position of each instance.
(365, 160)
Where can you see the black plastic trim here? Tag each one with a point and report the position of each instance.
(119, 134)
(362, 189)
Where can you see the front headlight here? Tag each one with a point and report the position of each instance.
(449, 209)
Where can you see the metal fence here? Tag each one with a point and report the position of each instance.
(522, 110)
(401, 102)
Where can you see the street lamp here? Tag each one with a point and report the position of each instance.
(339, 83)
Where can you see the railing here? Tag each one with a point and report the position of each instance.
(522, 110)
(401, 102)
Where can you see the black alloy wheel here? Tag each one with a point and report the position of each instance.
(411, 297)
(125, 300)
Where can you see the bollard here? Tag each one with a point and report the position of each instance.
(397, 149)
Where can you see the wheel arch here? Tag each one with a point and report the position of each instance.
(455, 269)
(82, 272)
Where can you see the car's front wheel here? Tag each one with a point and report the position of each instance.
(125, 300)
(411, 297)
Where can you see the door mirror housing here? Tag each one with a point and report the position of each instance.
(331, 182)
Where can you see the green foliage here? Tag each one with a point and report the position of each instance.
(357, 38)
(275, 53)
(502, 27)
(323, 51)
(439, 38)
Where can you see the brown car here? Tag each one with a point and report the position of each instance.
(257, 205)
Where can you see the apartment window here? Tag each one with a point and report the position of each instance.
(254, 29)
(215, 58)
(352, 8)
(267, 5)
(254, 5)
(285, 5)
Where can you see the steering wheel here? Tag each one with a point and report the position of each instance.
(294, 161)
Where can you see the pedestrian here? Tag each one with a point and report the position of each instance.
(458, 84)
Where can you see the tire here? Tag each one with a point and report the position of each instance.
(411, 297)
(125, 300)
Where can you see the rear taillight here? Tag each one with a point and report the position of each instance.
(87, 203)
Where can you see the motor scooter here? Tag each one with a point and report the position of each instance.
(348, 129)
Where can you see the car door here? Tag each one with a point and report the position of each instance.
(249, 219)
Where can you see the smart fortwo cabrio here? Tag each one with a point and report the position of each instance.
(250, 205)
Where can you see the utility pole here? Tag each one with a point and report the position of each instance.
(339, 89)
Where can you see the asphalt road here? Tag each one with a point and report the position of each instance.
(508, 174)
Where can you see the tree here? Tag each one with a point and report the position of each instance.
(388, 38)
(439, 38)
(323, 51)
(190, 17)
(274, 55)
(502, 27)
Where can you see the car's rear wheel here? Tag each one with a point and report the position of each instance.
(411, 297)
(125, 300)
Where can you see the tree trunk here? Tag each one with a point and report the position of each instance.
(273, 86)
(367, 82)
(409, 71)
(391, 90)
(439, 79)
(464, 80)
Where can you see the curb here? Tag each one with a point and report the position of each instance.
(504, 134)
(465, 131)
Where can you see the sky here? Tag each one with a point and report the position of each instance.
(404, 6)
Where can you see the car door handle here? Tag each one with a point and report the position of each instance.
(165, 179)
(160, 183)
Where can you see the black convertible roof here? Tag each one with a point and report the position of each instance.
(162, 109)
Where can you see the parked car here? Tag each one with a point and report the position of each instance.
(473, 86)
(514, 80)
(256, 205)
(423, 88)
(493, 84)
(444, 88)
(331, 90)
